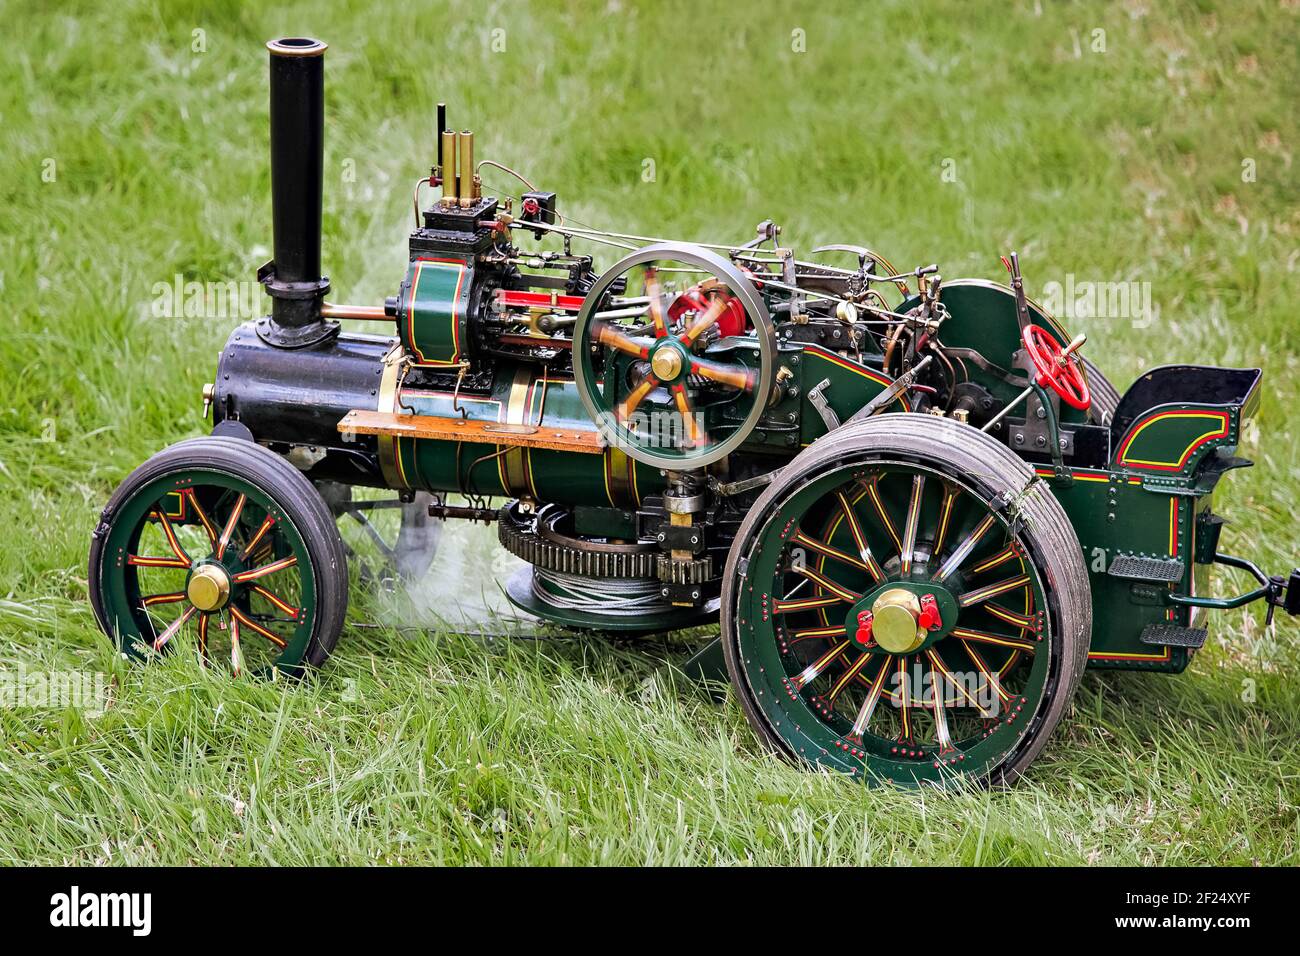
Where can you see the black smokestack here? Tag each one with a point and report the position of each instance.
(293, 277)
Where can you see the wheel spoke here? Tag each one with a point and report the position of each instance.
(275, 599)
(963, 550)
(254, 574)
(173, 628)
(980, 595)
(985, 637)
(1002, 557)
(848, 677)
(203, 638)
(1011, 617)
(859, 539)
(873, 492)
(267, 523)
(987, 674)
(913, 520)
(904, 702)
(937, 661)
(804, 604)
(204, 520)
(248, 622)
(822, 581)
(950, 493)
(170, 533)
(144, 561)
(236, 653)
(231, 523)
(868, 707)
(809, 633)
(812, 544)
(937, 694)
(811, 672)
(171, 597)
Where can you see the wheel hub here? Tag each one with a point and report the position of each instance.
(902, 617)
(666, 363)
(208, 588)
(895, 621)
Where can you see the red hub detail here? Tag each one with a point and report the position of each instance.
(929, 618)
(730, 322)
(863, 633)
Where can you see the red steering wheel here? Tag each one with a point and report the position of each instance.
(1057, 368)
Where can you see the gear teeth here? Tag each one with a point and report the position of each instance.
(518, 534)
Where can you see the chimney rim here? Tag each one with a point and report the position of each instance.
(296, 46)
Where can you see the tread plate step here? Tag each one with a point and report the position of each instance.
(1146, 569)
(1173, 635)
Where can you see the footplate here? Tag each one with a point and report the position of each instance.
(1146, 569)
(1173, 635)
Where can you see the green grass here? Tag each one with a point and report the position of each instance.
(1122, 165)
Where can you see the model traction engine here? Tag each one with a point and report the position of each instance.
(916, 512)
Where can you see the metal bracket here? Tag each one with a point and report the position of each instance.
(727, 489)
(895, 389)
(817, 396)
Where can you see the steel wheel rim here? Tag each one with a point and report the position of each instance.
(777, 643)
(270, 574)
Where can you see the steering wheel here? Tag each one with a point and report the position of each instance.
(1056, 367)
(679, 375)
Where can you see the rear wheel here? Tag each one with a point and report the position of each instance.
(907, 603)
(220, 546)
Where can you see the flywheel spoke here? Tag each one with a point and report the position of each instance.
(736, 376)
(606, 334)
(704, 322)
(655, 293)
(636, 397)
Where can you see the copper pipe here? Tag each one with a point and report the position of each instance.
(373, 313)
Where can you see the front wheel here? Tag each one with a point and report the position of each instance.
(907, 603)
(221, 547)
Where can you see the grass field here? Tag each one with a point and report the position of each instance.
(1160, 150)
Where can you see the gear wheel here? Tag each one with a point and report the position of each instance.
(545, 539)
(693, 571)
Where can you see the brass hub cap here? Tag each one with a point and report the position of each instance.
(666, 364)
(895, 624)
(209, 588)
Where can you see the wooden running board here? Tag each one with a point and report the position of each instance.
(362, 421)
